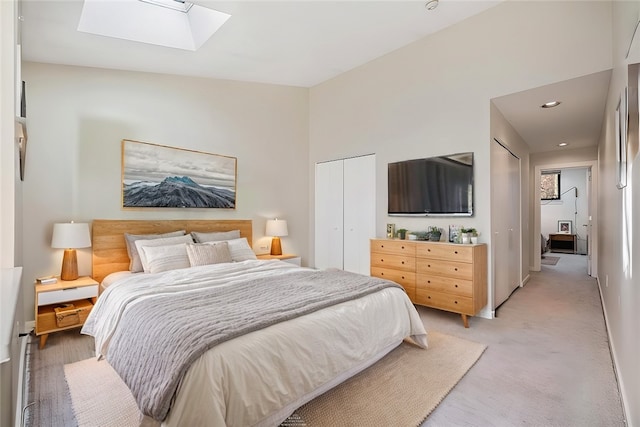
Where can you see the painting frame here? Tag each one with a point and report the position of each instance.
(161, 176)
(565, 226)
(621, 125)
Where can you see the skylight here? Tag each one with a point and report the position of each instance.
(171, 23)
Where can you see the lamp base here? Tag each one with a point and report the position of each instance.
(276, 248)
(69, 265)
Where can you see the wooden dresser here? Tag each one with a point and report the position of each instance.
(441, 275)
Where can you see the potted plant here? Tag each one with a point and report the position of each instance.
(435, 233)
(402, 233)
(473, 236)
(467, 233)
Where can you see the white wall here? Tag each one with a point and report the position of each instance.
(569, 207)
(620, 227)
(432, 97)
(78, 116)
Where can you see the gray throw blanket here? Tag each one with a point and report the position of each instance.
(165, 334)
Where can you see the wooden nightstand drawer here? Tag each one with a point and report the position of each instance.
(448, 285)
(395, 247)
(398, 262)
(66, 295)
(455, 303)
(445, 252)
(458, 270)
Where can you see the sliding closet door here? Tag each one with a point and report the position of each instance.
(359, 212)
(505, 222)
(328, 215)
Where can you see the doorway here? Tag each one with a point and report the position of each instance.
(572, 215)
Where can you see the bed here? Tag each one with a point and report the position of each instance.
(290, 351)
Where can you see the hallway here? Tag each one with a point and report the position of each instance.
(547, 362)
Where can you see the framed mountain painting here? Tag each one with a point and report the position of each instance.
(158, 176)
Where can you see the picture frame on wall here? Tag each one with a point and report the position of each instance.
(159, 176)
(621, 124)
(565, 226)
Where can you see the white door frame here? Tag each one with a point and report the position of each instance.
(592, 249)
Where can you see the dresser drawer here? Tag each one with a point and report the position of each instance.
(405, 279)
(447, 285)
(454, 303)
(65, 295)
(457, 270)
(395, 247)
(459, 253)
(396, 262)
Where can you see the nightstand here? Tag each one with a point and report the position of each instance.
(292, 259)
(82, 293)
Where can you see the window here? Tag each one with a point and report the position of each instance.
(550, 185)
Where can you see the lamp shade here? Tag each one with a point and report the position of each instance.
(71, 235)
(277, 228)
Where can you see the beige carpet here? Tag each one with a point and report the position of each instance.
(549, 260)
(402, 389)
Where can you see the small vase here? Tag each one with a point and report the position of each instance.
(474, 240)
(465, 239)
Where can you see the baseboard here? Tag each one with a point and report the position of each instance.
(525, 280)
(614, 358)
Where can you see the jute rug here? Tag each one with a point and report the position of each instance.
(402, 389)
(549, 260)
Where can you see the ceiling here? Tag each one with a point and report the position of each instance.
(576, 121)
(304, 43)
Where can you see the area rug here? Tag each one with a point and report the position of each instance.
(549, 260)
(401, 389)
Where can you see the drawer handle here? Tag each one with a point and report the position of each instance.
(455, 286)
(455, 252)
(402, 262)
(382, 274)
(382, 246)
(456, 302)
(381, 260)
(402, 247)
(428, 250)
(429, 265)
(429, 297)
(428, 281)
(456, 269)
(70, 289)
(402, 277)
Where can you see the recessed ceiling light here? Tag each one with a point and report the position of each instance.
(563, 144)
(550, 104)
(431, 4)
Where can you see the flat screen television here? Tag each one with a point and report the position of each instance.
(433, 186)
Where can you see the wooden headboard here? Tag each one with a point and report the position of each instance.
(109, 250)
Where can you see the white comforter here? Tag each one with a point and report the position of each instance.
(262, 377)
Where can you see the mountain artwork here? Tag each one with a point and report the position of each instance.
(156, 176)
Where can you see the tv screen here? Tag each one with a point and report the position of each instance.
(433, 186)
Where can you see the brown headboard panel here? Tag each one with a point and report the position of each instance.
(110, 251)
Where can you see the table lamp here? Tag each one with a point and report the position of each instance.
(276, 228)
(70, 236)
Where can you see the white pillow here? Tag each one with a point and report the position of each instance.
(215, 236)
(239, 249)
(211, 253)
(159, 242)
(165, 258)
(135, 266)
